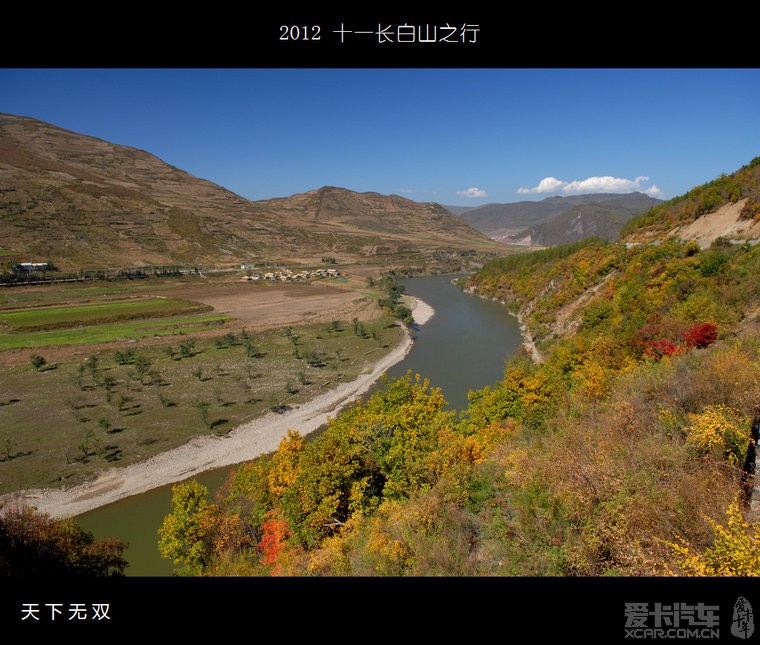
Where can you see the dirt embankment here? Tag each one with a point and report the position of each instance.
(725, 222)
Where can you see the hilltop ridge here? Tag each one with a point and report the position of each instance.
(82, 202)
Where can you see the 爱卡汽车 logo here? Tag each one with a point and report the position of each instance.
(678, 620)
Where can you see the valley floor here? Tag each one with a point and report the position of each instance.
(244, 443)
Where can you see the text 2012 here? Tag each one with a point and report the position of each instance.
(300, 32)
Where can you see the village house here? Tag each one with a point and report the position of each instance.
(286, 275)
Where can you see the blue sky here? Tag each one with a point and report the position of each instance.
(455, 136)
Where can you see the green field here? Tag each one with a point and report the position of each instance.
(46, 318)
(111, 332)
(118, 320)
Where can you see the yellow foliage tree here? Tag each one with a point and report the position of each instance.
(735, 550)
(719, 428)
(186, 535)
(593, 380)
(285, 463)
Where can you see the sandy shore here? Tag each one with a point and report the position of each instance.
(244, 443)
(421, 311)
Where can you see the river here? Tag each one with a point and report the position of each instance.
(462, 347)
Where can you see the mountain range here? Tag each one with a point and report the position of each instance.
(81, 202)
(557, 220)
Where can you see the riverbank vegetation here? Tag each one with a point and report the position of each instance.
(628, 450)
(630, 474)
(33, 545)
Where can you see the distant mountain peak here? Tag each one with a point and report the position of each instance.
(520, 221)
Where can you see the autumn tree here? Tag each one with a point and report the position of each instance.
(186, 534)
(33, 544)
(735, 550)
(273, 545)
(379, 449)
(285, 469)
(701, 336)
(721, 430)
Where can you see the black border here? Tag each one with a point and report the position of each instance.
(337, 609)
(534, 609)
(525, 35)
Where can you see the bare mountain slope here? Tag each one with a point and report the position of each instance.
(502, 221)
(590, 219)
(83, 202)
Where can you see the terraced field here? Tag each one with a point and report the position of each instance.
(102, 323)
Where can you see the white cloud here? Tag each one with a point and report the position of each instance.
(546, 185)
(472, 192)
(405, 190)
(655, 192)
(604, 184)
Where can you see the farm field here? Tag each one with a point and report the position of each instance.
(113, 332)
(90, 385)
(219, 304)
(94, 323)
(32, 319)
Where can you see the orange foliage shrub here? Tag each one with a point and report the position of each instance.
(275, 533)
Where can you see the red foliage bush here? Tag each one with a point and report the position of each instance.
(657, 349)
(698, 337)
(701, 336)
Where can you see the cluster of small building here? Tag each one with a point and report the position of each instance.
(286, 275)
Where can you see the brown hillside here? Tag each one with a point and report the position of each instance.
(82, 202)
(726, 222)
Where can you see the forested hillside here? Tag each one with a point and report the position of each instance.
(626, 448)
